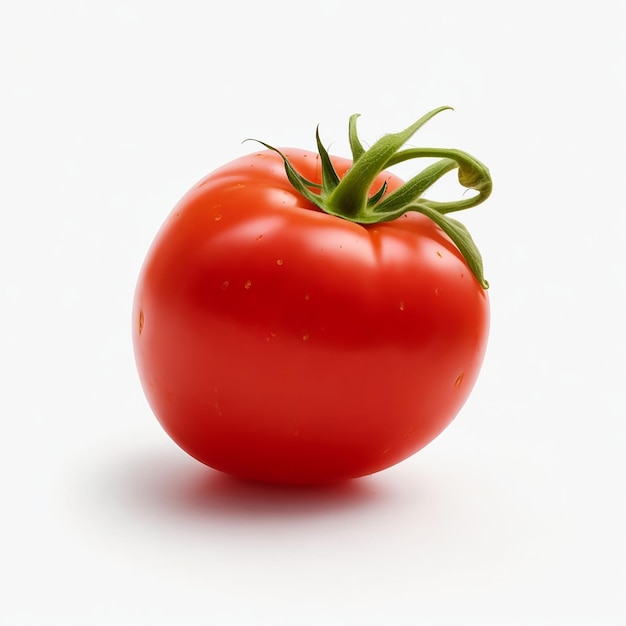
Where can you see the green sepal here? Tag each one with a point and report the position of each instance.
(461, 238)
(472, 174)
(330, 180)
(414, 188)
(356, 146)
(301, 184)
(377, 196)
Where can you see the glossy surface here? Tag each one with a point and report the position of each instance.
(278, 343)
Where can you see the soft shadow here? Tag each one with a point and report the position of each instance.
(170, 483)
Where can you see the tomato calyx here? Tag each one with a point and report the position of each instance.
(352, 197)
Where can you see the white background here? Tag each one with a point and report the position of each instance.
(110, 111)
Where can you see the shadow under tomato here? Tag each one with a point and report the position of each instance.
(171, 484)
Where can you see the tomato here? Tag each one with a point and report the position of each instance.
(278, 342)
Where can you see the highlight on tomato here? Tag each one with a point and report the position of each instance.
(303, 318)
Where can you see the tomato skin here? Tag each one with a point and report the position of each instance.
(279, 343)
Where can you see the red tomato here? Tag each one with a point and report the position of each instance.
(279, 343)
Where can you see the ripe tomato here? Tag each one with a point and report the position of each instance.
(278, 342)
